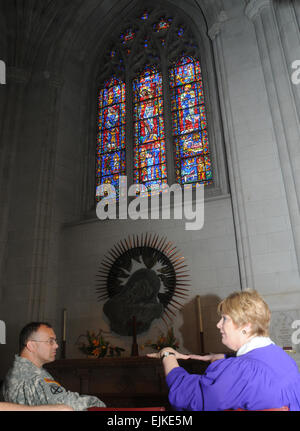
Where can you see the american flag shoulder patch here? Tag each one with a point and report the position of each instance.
(51, 381)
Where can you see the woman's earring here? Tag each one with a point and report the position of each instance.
(244, 331)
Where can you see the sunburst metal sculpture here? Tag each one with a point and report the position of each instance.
(141, 277)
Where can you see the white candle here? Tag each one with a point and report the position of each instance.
(65, 324)
(199, 313)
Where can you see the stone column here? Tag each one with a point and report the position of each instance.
(169, 145)
(237, 195)
(44, 228)
(12, 95)
(296, 7)
(282, 107)
(289, 32)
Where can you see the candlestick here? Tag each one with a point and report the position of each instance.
(201, 335)
(134, 347)
(134, 329)
(199, 314)
(65, 325)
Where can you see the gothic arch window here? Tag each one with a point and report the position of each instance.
(154, 61)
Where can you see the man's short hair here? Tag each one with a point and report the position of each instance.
(27, 331)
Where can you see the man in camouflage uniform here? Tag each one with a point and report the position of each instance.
(27, 382)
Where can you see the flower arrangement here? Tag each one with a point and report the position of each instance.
(97, 346)
(168, 340)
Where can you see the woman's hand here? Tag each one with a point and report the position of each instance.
(177, 355)
(168, 362)
(210, 357)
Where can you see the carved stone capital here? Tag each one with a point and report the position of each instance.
(215, 29)
(254, 7)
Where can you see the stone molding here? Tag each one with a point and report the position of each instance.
(53, 79)
(17, 75)
(254, 7)
(23, 76)
(284, 116)
(50, 78)
(237, 196)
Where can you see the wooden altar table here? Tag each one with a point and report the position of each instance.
(119, 381)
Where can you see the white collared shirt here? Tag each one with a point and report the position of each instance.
(254, 343)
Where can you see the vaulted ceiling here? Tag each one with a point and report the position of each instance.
(40, 34)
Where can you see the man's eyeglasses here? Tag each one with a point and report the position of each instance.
(51, 341)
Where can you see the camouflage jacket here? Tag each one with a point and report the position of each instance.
(25, 383)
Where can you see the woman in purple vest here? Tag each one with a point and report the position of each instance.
(260, 376)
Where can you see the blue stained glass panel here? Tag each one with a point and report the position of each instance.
(147, 109)
(187, 120)
(112, 116)
(112, 163)
(196, 169)
(152, 154)
(148, 86)
(186, 71)
(187, 95)
(192, 144)
(110, 152)
(191, 147)
(149, 130)
(109, 180)
(152, 173)
(145, 16)
(111, 140)
(149, 145)
(112, 95)
(155, 184)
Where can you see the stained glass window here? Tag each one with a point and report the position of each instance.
(110, 160)
(150, 167)
(127, 36)
(145, 15)
(192, 157)
(180, 32)
(163, 24)
(150, 37)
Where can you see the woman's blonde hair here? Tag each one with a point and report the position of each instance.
(247, 307)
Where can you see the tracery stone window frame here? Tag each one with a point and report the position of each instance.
(116, 61)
